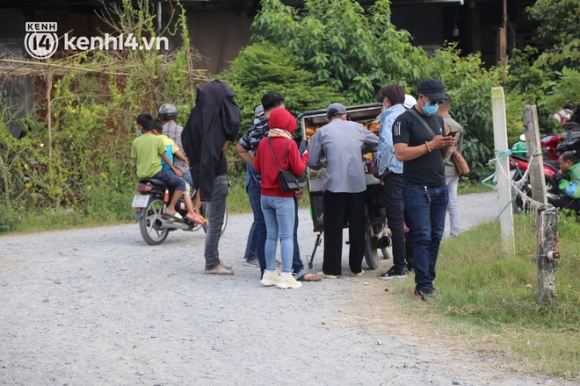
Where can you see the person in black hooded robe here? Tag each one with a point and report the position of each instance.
(212, 124)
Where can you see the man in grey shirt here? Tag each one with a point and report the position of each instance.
(339, 146)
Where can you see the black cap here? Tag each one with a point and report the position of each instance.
(432, 89)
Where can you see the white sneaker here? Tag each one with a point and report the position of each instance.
(270, 278)
(288, 281)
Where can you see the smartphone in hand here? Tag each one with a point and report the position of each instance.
(303, 146)
(452, 133)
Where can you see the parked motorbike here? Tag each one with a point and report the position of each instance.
(150, 206)
(519, 165)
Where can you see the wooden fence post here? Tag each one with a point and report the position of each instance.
(536, 164)
(547, 239)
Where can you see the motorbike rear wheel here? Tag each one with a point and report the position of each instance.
(371, 249)
(371, 254)
(151, 233)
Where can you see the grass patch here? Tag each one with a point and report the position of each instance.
(490, 298)
(467, 186)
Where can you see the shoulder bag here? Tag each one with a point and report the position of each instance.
(288, 181)
(458, 160)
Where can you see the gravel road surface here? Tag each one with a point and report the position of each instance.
(100, 307)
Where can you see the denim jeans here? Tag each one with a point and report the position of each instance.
(297, 265)
(187, 178)
(253, 190)
(426, 207)
(216, 210)
(170, 180)
(452, 209)
(259, 235)
(279, 217)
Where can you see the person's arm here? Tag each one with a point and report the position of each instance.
(315, 149)
(179, 154)
(404, 152)
(245, 154)
(371, 141)
(256, 159)
(296, 161)
(177, 172)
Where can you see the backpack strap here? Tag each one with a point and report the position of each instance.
(420, 118)
(274, 156)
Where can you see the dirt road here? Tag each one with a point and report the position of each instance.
(100, 307)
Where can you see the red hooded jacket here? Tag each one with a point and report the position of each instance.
(264, 162)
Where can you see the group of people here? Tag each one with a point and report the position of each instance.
(413, 148)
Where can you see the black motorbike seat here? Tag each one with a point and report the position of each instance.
(554, 165)
(154, 181)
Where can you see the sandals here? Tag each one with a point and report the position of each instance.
(309, 277)
(175, 216)
(195, 219)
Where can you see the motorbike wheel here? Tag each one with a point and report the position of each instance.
(551, 187)
(204, 213)
(371, 253)
(151, 233)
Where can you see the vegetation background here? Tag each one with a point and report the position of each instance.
(329, 51)
(72, 168)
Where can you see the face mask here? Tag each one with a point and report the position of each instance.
(430, 109)
(137, 129)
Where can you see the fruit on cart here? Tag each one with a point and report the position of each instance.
(310, 131)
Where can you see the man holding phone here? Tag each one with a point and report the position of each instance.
(451, 174)
(420, 142)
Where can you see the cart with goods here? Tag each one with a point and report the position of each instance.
(377, 235)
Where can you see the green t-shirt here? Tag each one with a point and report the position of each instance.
(147, 148)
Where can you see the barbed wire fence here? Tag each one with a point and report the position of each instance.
(532, 180)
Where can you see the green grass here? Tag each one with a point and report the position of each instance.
(489, 297)
(106, 207)
(467, 186)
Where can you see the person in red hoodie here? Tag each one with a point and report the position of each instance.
(278, 149)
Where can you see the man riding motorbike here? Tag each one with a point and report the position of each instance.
(568, 180)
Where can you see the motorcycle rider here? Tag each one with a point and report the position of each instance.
(568, 180)
(167, 115)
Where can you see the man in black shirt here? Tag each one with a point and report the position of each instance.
(420, 142)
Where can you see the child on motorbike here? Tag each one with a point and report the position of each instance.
(149, 149)
(568, 180)
(171, 150)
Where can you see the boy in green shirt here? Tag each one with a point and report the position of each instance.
(568, 180)
(149, 150)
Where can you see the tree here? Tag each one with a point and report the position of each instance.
(354, 51)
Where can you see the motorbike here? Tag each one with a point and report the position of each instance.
(150, 206)
(518, 166)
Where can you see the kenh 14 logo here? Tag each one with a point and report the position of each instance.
(41, 40)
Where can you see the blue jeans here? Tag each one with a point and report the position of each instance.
(253, 190)
(297, 266)
(259, 233)
(426, 207)
(216, 210)
(170, 179)
(279, 217)
(187, 177)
